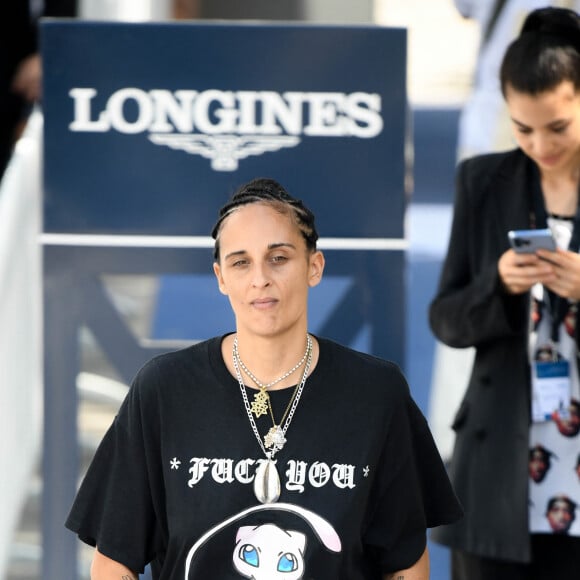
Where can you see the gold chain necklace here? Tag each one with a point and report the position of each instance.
(267, 480)
(261, 403)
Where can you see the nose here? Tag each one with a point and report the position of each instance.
(260, 278)
(541, 145)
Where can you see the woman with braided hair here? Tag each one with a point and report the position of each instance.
(520, 312)
(267, 453)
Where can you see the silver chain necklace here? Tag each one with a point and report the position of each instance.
(259, 383)
(261, 403)
(267, 480)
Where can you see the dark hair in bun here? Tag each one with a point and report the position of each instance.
(546, 53)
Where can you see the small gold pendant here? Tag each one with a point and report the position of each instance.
(260, 405)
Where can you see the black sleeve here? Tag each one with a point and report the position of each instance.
(114, 508)
(471, 306)
(416, 493)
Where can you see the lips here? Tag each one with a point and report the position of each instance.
(263, 302)
(550, 160)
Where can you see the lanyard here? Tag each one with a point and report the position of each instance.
(557, 305)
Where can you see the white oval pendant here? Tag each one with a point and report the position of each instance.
(267, 482)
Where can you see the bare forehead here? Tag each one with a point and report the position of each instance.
(259, 226)
(261, 215)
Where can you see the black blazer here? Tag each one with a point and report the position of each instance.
(489, 468)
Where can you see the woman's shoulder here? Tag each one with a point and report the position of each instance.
(346, 361)
(372, 386)
(165, 380)
(494, 173)
(193, 357)
(492, 164)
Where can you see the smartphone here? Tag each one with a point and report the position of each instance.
(528, 241)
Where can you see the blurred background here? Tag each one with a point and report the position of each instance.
(442, 51)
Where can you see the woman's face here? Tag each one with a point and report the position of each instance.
(266, 270)
(547, 126)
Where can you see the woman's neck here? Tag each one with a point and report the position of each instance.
(561, 191)
(268, 358)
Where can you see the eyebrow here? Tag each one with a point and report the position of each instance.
(274, 246)
(549, 125)
(237, 253)
(281, 245)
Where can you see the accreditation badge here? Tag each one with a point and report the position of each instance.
(550, 389)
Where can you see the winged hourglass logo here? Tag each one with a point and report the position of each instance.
(225, 151)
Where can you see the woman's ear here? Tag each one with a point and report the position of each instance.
(316, 268)
(220, 280)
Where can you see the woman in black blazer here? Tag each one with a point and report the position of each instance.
(514, 308)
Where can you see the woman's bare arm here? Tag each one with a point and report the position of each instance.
(103, 568)
(418, 571)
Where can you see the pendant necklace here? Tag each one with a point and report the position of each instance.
(267, 481)
(261, 403)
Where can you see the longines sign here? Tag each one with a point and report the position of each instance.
(226, 126)
(150, 126)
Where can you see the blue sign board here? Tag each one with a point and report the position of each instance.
(151, 126)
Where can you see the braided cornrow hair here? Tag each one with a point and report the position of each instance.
(546, 53)
(270, 192)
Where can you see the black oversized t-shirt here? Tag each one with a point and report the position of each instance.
(172, 481)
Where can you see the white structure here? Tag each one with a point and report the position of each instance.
(20, 328)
